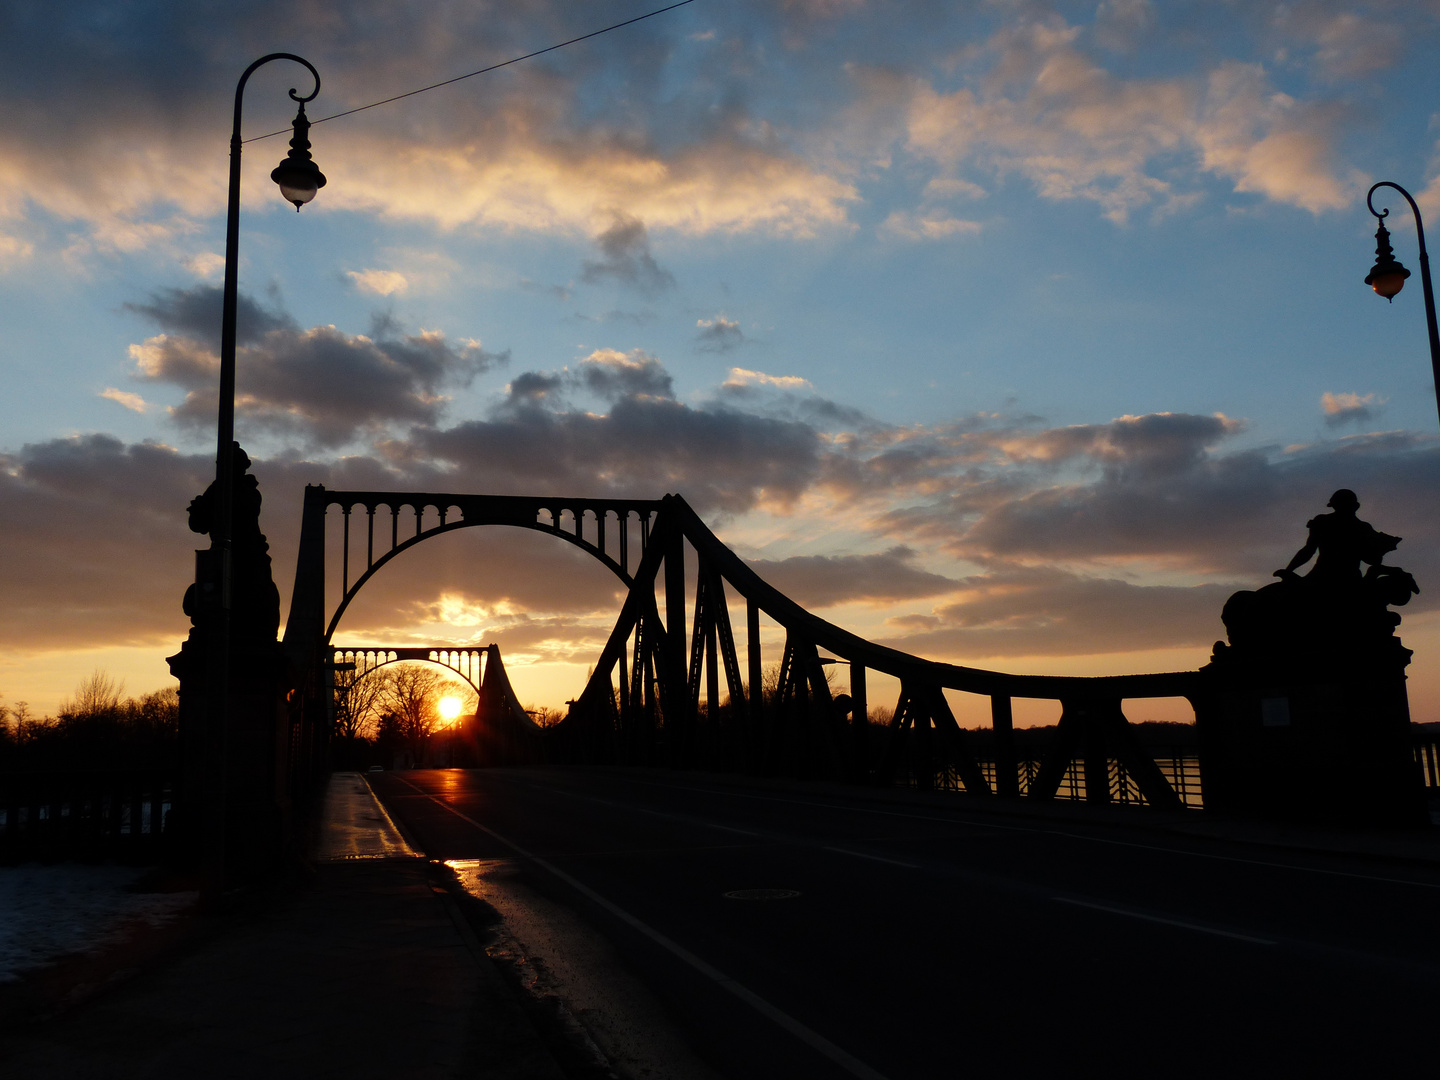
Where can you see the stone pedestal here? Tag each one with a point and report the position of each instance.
(1304, 715)
(1331, 750)
(233, 807)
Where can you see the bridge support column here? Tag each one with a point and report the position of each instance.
(753, 661)
(678, 722)
(1002, 722)
(859, 724)
(1097, 759)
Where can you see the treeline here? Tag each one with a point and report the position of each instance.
(392, 716)
(97, 728)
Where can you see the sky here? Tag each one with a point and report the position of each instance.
(1012, 334)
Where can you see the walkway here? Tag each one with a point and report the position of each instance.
(370, 973)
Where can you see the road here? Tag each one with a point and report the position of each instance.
(895, 938)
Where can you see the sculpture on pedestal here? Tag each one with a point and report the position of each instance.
(1334, 614)
(1305, 715)
(232, 733)
(254, 600)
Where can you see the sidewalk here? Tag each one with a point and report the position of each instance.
(371, 971)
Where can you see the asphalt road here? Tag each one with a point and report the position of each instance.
(931, 942)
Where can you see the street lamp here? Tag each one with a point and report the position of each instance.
(299, 179)
(1387, 276)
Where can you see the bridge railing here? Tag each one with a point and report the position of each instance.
(1427, 757)
(122, 815)
(1179, 765)
(642, 703)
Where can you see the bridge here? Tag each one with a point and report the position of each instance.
(643, 703)
(503, 734)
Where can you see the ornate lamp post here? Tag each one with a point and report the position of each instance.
(1387, 276)
(299, 179)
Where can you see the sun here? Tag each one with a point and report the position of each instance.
(450, 708)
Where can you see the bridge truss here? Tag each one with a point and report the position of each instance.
(642, 704)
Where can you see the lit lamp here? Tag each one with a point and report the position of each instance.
(1387, 276)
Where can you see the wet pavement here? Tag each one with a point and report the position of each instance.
(650, 925)
(370, 970)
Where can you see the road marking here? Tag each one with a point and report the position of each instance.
(1198, 927)
(874, 858)
(966, 823)
(851, 1064)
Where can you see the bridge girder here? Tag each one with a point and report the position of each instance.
(655, 708)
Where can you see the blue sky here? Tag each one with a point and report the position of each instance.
(1016, 334)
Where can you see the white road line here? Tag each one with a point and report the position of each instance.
(851, 1064)
(873, 858)
(1197, 927)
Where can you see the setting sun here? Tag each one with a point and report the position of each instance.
(450, 708)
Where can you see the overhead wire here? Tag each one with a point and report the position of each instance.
(482, 71)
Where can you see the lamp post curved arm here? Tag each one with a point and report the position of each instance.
(299, 179)
(224, 456)
(1387, 276)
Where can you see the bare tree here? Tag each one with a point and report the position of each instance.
(358, 707)
(412, 693)
(24, 721)
(544, 716)
(98, 695)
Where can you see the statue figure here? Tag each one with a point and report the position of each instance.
(1343, 541)
(1304, 713)
(1333, 614)
(254, 600)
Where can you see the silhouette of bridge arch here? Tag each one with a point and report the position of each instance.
(543, 514)
(465, 661)
(641, 705)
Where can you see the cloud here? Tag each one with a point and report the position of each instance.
(1150, 497)
(1268, 142)
(14, 251)
(1044, 612)
(1049, 112)
(718, 335)
(554, 145)
(625, 257)
(614, 375)
(532, 388)
(741, 378)
(827, 580)
(206, 264)
(546, 147)
(196, 313)
(1086, 539)
(1344, 408)
(320, 385)
(97, 551)
(721, 459)
(930, 225)
(1346, 44)
(379, 282)
(133, 402)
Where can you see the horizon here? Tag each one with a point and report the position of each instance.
(1016, 336)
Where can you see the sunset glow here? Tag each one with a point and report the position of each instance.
(1017, 336)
